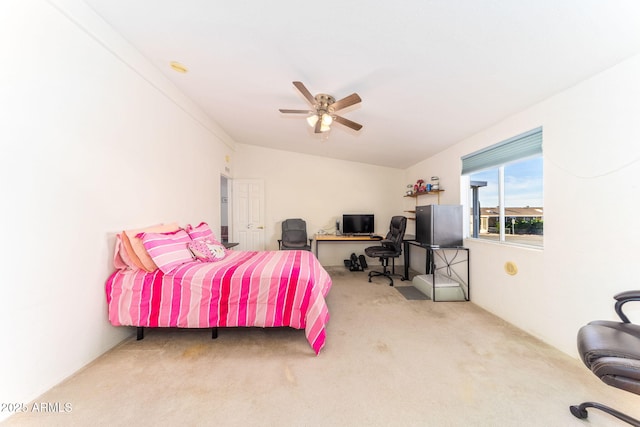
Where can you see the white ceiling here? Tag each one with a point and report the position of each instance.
(429, 72)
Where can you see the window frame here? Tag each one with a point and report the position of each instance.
(527, 145)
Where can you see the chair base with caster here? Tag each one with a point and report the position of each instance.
(580, 411)
(385, 272)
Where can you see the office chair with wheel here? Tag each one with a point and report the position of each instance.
(390, 248)
(294, 235)
(612, 351)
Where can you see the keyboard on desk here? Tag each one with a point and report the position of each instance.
(357, 235)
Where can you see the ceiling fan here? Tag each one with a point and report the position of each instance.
(324, 108)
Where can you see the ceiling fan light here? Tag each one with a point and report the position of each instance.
(312, 120)
(324, 128)
(327, 119)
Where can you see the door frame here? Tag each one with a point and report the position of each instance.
(229, 223)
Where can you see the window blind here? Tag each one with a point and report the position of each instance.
(525, 145)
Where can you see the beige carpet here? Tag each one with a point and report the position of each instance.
(388, 361)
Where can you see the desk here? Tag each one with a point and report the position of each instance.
(344, 239)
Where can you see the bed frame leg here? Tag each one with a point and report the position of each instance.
(214, 333)
(140, 334)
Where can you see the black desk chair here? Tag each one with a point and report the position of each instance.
(391, 247)
(612, 351)
(294, 235)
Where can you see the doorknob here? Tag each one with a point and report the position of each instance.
(260, 227)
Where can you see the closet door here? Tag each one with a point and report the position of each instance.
(248, 214)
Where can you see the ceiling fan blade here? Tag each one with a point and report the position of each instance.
(348, 123)
(305, 92)
(318, 126)
(345, 102)
(283, 110)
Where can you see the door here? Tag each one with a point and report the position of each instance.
(248, 214)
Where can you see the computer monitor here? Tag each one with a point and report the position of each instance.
(359, 224)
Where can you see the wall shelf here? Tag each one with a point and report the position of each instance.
(411, 212)
(425, 193)
(422, 193)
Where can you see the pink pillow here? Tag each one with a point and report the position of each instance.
(208, 252)
(168, 250)
(201, 232)
(121, 259)
(135, 249)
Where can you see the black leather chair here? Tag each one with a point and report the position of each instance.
(612, 351)
(390, 248)
(294, 235)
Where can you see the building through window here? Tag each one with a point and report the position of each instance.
(506, 190)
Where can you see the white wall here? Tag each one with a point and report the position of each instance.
(91, 145)
(319, 190)
(591, 144)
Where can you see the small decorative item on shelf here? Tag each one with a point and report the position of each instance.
(409, 190)
(420, 186)
(435, 183)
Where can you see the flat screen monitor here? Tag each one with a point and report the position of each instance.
(357, 224)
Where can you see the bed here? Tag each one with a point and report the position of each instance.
(239, 289)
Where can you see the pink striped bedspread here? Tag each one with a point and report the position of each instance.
(264, 289)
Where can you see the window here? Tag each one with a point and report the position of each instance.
(505, 190)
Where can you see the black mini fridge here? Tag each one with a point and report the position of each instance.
(439, 225)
